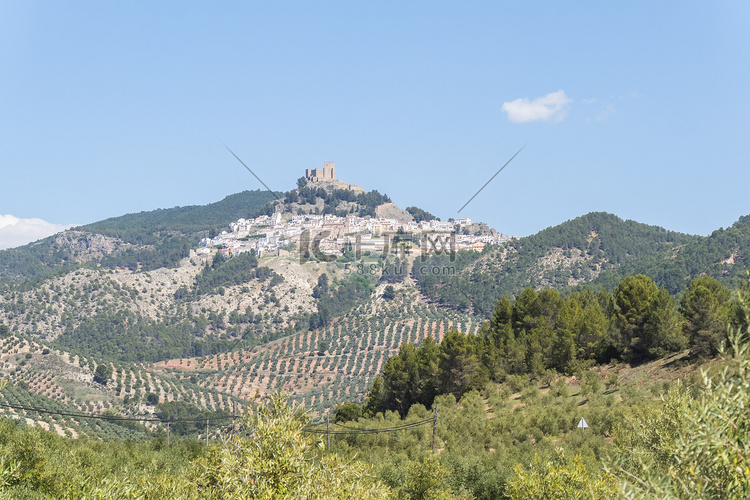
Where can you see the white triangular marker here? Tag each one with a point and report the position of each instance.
(582, 424)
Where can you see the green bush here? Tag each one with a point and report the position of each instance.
(279, 461)
(561, 479)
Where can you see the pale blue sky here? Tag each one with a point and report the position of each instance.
(108, 108)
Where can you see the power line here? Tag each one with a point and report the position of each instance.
(420, 422)
(259, 179)
(485, 184)
(349, 431)
(108, 417)
(353, 430)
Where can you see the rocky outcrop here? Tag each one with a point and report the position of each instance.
(391, 211)
(86, 246)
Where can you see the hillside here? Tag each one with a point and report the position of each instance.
(142, 241)
(593, 251)
(328, 365)
(133, 292)
(65, 386)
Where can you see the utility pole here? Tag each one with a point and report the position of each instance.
(434, 429)
(328, 432)
(168, 434)
(234, 420)
(206, 432)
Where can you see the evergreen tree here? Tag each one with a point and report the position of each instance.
(590, 338)
(569, 325)
(705, 306)
(102, 373)
(646, 320)
(505, 354)
(460, 369)
(402, 380)
(662, 332)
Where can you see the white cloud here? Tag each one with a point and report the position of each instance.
(15, 232)
(552, 107)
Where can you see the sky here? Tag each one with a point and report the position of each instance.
(634, 108)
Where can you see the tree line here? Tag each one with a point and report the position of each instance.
(309, 195)
(543, 333)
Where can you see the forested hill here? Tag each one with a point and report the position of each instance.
(722, 255)
(192, 219)
(145, 240)
(594, 250)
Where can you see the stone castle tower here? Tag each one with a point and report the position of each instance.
(327, 173)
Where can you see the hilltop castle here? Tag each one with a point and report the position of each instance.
(327, 173)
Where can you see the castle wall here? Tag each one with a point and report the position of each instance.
(329, 170)
(327, 173)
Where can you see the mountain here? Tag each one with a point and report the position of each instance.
(142, 241)
(596, 251)
(134, 293)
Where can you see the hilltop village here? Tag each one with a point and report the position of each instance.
(279, 233)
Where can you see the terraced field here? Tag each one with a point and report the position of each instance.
(327, 366)
(44, 378)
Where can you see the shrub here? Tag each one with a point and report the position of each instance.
(103, 373)
(589, 381)
(612, 381)
(561, 478)
(516, 382)
(279, 461)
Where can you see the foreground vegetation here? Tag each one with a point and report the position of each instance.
(271, 458)
(684, 440)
